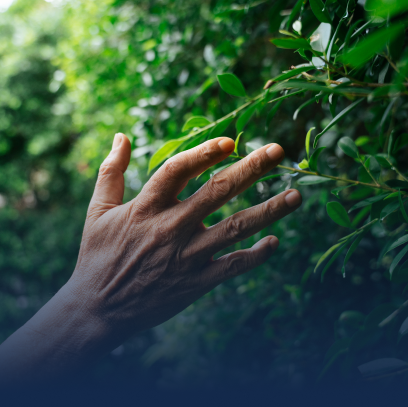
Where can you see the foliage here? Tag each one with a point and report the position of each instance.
(171, 74)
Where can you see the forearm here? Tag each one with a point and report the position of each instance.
(62, 337)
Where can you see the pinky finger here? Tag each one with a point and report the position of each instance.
(239, 262)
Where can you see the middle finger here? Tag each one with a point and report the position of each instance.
(232, 181)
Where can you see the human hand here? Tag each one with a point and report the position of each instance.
(142, 262)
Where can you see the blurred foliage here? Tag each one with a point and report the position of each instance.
(76, 72)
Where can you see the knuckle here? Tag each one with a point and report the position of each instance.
(219, 186)
(235, 228)
(273, 208)
(235, 265)
(173, 167)
(255, 163)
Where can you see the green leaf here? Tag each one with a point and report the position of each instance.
(396, 183)
(336, 191)
(252, 146)
(271, 177)
(307, 141)
(385, 8)
(402, 208)
(195, 121)
(312, 179)
(350, 252)
(393, 195)
(294, 72)
(291, 43)
(295, 11)
(390, 208)
(166, 150)
(237, 142)
(331, 261)
(272, 112)
(304, 164)
(368, 201)
(320, 11)
(327, 254)
(313, 159)
(338, 214)
(348, 146)
(309, 102)
(231, 84)
(220, 128)
(400, 241)
(383, 161)
(333, 40)
(245, 117)
(369, 46)
(362, 213)
(340, 116)
(397, 259)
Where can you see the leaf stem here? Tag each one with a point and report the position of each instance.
(349, 181)
(368, 171)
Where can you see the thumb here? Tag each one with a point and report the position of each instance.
(110, 185)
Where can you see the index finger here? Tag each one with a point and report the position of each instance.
(173, 175)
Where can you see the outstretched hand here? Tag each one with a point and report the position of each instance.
(142, 262)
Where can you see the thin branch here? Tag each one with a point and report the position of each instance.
(393, 167)
(369, 172)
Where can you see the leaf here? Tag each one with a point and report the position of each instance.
(348, 146)
(396, 183)
(166, 150)
(320, 11)
(333, 40)
(390, 208)
(272, 176)
(304, 164)
(338, 214)
(245, 117)
(383, 161)
(384, 8)
(319, 40)
(286, 96)
(309, 102)
(375, 317)
(313, 159)
(382, 367)
(291, 43)
(368, 201)
(252, 146)
(231, 84)
(220, 128)
(272, 112)
(327, 254)
(369, 46)
(312, 179)
(397, 259)
(342, 114)
(195, 121)
(404, 328)
(237, 142)
(295, 10)
(393, 195)
(331, 261)
(350, 252)
(294, 72)
(400, 241)
(336, 191)
(307, 141)
(404, 214)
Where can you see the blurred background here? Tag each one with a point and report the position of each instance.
(75, 72)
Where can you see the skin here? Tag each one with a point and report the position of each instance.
(142, 262)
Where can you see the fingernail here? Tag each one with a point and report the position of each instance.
(293, 199)
(226, 145)
(274, 243)
(274, 152)
(117, 140)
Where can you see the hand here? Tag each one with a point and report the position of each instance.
(145, 261)
(142, 262)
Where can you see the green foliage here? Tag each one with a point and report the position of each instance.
(75, 75)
